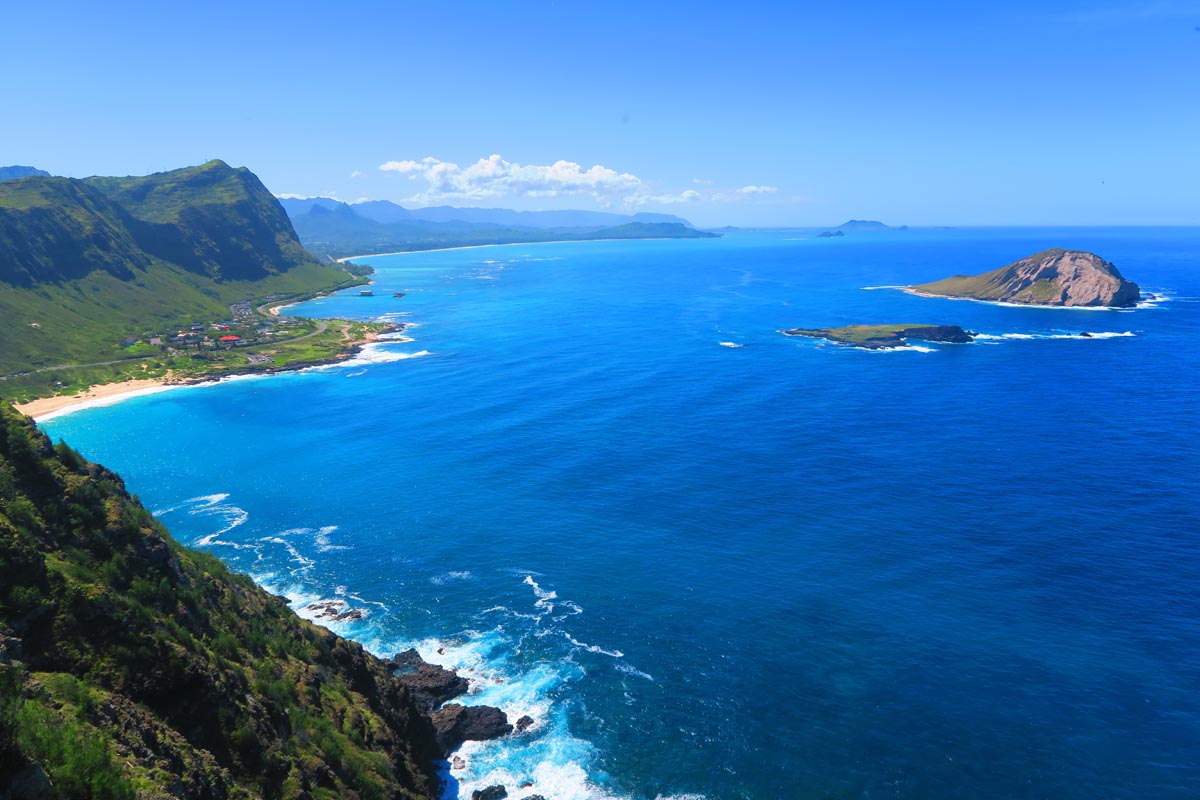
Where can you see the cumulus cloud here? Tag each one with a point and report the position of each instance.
(356, 174)
(495, 177)
(686, 196)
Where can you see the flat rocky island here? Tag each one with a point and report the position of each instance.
(885, 337)
(1049, 278)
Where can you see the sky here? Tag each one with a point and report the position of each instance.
(748, 113)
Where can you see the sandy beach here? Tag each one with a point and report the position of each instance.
(106, 393)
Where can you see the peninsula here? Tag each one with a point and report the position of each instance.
(1069, 278)
(885, 337)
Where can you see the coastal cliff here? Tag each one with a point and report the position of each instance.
(1050, 278)
(131, 666)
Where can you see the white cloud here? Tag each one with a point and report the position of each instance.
(356, 174)
(289, 196)
(686, 196)
(495, 177)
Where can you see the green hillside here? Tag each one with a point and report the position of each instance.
(131, 666)
(86, 264)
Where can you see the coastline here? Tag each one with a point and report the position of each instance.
(107, 394)
(344, 259)
(101, 395)
(1008, 304)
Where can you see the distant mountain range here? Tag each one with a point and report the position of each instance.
(387, 213)
(8, 173)
(333, 228)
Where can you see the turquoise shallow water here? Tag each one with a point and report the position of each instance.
(783, 569)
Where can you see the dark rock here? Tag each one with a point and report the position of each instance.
(30, 783)
(11, 649)
(938, 333)
(534, 797)
(430, 684)
(336, 610)
(1086, 335)
(496, 792)
(455, 724)
(524, 722)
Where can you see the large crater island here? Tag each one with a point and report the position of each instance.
(1056, 277)
(885, 337)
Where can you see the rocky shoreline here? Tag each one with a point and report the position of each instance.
(886, 337)
(432, 687)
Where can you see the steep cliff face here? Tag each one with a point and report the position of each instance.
(130, 665)
(1050, 278)
(212, 219)
(85, 264)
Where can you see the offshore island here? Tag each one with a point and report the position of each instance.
(885, 337)
(1057, 277)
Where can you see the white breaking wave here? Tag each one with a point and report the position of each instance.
(374, 354)
(591, 648)
(632, 670)
(730, 344)
(211, 505)
(997, 337)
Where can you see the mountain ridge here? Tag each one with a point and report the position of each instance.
(386, 212)
(85, 263)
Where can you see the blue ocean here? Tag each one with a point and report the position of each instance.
(712, 561)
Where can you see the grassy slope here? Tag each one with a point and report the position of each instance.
(84, 264)
(855, 334)
(993, 285)
(130, 665)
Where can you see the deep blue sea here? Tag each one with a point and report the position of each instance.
(714, 562)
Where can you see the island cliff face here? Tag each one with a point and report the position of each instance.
(1050, 278)
(131, 666)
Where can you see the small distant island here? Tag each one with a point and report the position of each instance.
(829, 234)
(867, 225)
(885, 337)
(1057, 277)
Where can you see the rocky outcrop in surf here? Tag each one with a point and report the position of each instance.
(455, 724)
(430, 684)
(1056, 277)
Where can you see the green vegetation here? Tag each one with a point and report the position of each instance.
(87, 265)
(882, 337)
(1053, 277)
(133, 666)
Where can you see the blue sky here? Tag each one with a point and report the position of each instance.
(737, 113)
